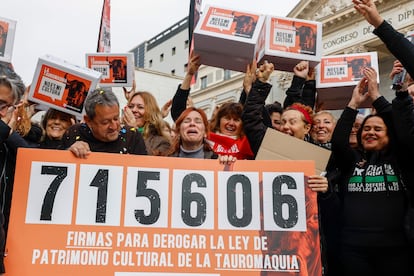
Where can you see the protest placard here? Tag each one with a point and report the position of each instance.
(291, 40)
(116, 69)
(336, 77)
(114, 214)
(7, 33)
(280, 146)
(62, 85)
(229, 39)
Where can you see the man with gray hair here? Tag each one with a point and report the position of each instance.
(10, 141)
(101, 130)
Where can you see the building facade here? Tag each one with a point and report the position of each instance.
(344, 31)
(166, 52)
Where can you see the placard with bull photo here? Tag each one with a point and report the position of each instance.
(228, 38)
(230, 22)
(61, 85)
(116, 69)
(344, 70)
(337, 75)
(290, 40)
(7, 31)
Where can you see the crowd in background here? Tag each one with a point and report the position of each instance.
(362, 197)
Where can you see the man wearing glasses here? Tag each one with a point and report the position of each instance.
(9, 142)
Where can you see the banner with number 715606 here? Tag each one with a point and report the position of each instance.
(130, 215)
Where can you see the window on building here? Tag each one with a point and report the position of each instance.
(173, 51)
(203, 81)
(227, 74)
(150, 63)
(186, 44)
(173, 72)
(162, 57)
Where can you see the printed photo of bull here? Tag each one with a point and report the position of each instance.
(76, 95)
(357, 66)
(307, 39)
(245, 25)
(118, 68)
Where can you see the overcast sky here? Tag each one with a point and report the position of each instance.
(69, 29)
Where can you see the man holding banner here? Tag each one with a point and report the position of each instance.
(102, 129)
(9, 141)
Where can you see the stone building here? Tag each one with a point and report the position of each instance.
(344, 31)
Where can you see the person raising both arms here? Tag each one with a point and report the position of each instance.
(227, 138)
(372, 239)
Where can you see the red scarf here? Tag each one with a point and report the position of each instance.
(225, 145)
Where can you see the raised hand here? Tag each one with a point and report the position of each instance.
(368, 9)
(301, 69)
(359, 94)
(249, 76)
(264, 71)
(371, 76)
(128, 93)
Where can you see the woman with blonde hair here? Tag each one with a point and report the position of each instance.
(143, 113)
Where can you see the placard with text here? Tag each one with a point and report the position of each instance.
(129, 215)
(336, 77)
(61, 85)
(229, 38)
(291, 40)
(116, 69)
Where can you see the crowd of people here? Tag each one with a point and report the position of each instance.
(362, 198)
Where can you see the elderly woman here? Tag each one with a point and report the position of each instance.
(322, 128)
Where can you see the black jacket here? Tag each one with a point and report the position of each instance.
(179, 102)
(252, 115)
(301, 91)
(373, 198)
(403, 109)
(9, 145)
(398, 45)
(129, 140)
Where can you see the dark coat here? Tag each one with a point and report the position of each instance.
(129, 141)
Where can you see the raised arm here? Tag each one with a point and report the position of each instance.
(340, 137)
(179, 101)
(294, 92)
(395, 41)
(252, 116)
